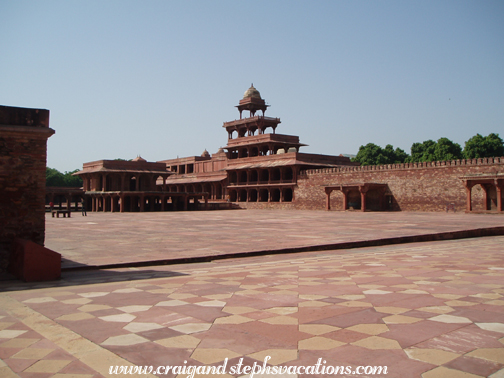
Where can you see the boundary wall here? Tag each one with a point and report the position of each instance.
(425, 186)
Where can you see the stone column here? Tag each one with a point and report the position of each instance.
(363, 190)
(485, 196)
(142, 203)
(121, 205)
(345, 198)
(498, 189)
(328, 198)
(468, 187)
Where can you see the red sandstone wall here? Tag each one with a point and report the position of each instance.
(414, 187)
(23, 150)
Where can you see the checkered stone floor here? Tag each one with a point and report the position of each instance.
(423, 310)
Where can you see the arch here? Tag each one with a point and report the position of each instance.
(242, 132)
(264, 175)
(275, 174)
(208, 189)
(243, 153)
(263, 195)
(288, 174)
(252, 195)
(135, 203)
(287, 195)
(374, 200)
(491, 196)
(243, 177)
(354, 199)
(242, 195)
(132, 184)
(254, 151)
(275, 195)
(218, 191)
(233, 196)
(253, 176)
(127, 203)
(233, 179)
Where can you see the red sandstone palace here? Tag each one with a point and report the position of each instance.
(259, 168)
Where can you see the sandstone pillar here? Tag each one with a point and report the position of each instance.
(468, 197)
(328, 198)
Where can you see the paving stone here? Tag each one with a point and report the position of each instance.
(423, 309)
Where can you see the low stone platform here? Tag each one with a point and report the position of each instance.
(112, 239)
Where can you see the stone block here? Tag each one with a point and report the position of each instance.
(30, 262)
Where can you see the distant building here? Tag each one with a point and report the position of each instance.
(259, 168)
(255, 166)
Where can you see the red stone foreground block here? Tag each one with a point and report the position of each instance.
(32, 262)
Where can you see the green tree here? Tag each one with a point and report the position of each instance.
(56, 178)
(71, 180)
(394, 156)
(372, 154)
(447, 150)
(443, 149)
(422, 151)
(479, 146)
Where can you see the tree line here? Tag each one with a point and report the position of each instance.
(56, 178)
(444, 149)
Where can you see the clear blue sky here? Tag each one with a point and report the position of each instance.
(158, 78)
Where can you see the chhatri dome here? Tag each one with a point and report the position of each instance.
(252, 92)
(139, 158)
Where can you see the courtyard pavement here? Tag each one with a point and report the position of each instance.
(115, 238)
(431, 309)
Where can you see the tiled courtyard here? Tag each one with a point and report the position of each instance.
(432, 309)
(111, 238)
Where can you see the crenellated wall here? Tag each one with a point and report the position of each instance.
(427, 186)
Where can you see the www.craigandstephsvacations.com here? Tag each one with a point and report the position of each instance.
(189, 371)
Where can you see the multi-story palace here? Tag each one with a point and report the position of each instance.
(257, 165)
(259, 168)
